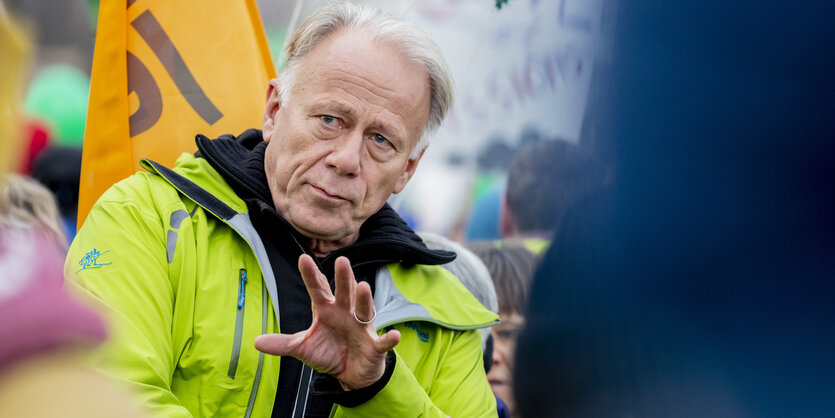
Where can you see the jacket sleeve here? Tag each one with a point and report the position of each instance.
(460, 388)
(119, 259)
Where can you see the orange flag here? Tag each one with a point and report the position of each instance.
(164, 71)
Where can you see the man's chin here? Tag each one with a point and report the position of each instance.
(322, 231)
(318, 233)
(317, 224)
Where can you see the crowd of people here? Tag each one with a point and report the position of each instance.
(677, 261)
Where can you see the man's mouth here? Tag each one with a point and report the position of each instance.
(326, 195)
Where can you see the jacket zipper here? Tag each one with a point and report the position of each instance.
(256, 384)
(239, 325)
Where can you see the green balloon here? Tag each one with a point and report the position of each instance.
(58, 95)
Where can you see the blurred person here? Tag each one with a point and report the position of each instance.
(511, 267)
(492, 162)
(44, 332)
(280, 241)
(467, 267)
(25, 203)
(701, 283)
(545, 178)
(59, 169)
(483, 219)
(473, 274)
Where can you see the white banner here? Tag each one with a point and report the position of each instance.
(521, 70)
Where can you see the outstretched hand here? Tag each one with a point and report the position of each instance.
(336, 343)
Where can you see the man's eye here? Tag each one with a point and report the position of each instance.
(329, 120)
(381, 140)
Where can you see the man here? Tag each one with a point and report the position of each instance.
(544, 180)
(267, 235)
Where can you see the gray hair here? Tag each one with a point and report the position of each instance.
(412, 41)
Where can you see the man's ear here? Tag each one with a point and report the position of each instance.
(411, 166)
(507, 226)
(273, 104)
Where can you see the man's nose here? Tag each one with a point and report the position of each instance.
(346, 154)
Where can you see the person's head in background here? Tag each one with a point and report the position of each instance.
(511, 267)
(545, 178)
(27, 205)
(59, 169)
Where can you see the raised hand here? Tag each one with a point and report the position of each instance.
(336, 343)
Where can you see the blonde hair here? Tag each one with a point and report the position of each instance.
(25, 203)
(382, 27)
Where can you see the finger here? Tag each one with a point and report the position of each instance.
(387, 341)
(315, 282)
(345, 283)
(279, 344)
(365, 302)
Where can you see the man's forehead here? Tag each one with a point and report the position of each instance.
(354, 47)
(350, 61)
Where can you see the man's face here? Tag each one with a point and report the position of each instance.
(339, 147)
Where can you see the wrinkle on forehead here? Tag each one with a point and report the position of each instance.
(378, 88)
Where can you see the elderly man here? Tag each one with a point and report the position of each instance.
(286, 236)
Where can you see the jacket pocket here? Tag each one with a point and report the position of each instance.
(239, 325)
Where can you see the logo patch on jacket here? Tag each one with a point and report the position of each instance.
(423, 336)
(91, 260)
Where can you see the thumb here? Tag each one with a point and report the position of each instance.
(387, 341)
(277, 344)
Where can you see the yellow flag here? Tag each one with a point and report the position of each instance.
(164, 71)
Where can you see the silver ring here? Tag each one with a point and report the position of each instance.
(365, 322)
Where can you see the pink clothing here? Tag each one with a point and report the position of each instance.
(36, 312)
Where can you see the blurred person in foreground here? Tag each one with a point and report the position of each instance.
(701, 284)
(283, 238)
(44, 334)
(545, 178)
(511, 267)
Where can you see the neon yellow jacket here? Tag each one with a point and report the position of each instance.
(187, 287)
